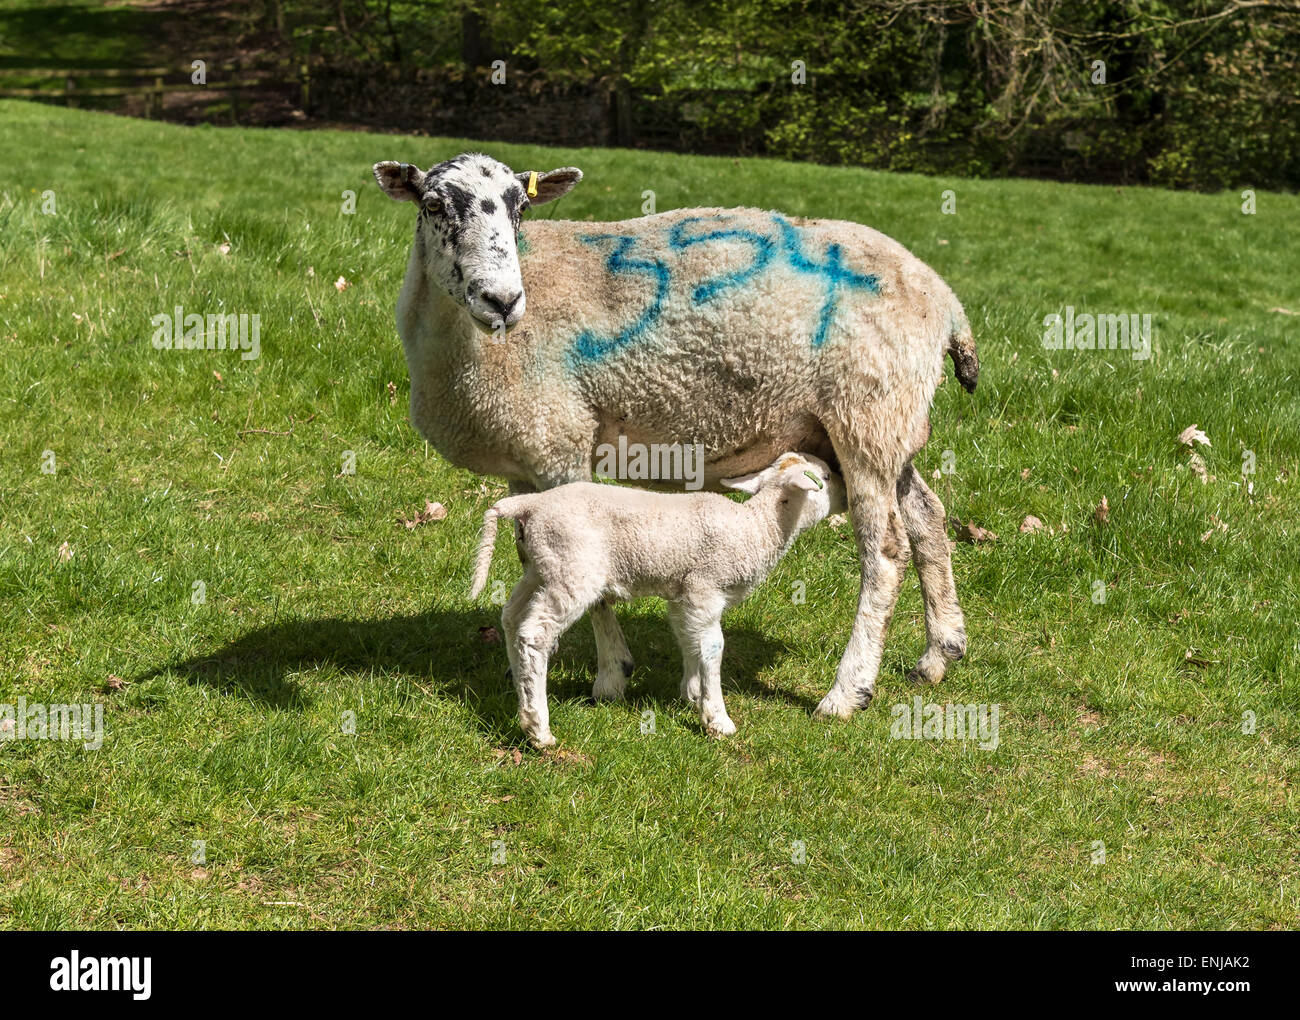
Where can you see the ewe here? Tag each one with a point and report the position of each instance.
(746, 331)
(584, 542)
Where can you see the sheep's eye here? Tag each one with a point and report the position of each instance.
(432, 204)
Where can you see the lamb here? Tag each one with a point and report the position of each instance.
(533, 346)
(584, 542)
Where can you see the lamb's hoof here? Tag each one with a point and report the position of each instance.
(722, 726)
(543, 740)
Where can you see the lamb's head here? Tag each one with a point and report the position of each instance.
(469, 212)
(801, 476)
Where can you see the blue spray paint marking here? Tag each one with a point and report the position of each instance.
(591, 347)
(588, 346)
(836, 273)
(763, 248)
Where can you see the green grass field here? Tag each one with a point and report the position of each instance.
(1121, 722)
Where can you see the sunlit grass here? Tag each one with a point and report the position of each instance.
(1121, 720)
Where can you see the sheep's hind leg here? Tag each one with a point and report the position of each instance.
(548, 613)
(613, 660)
(945, 629)
(882, 556)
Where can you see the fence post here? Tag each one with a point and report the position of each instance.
(305, 97)
(69, 83)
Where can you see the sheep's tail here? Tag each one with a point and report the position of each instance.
(961, 345)
(483, 558)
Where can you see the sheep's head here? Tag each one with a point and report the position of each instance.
(802, 476)
(469, 212)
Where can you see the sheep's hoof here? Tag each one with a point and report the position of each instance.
(607, 692)
(720, 727)
(832, 708)
(933, 664)
(543, 740)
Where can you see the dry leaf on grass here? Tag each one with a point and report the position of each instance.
(392, 393)
(114, 683)
(1197, 464)
(1218, 526)
(1102, 514)
(65, 552)
(341, 285)
(1031, 524)
(971, 532)
(1024, 475)
(1192, 435)
(431, 512)
(489, 635)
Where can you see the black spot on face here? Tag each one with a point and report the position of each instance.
(514, 200)
(459, 200)
(488, 206)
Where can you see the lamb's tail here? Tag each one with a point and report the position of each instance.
(483, 558)
(961, 345)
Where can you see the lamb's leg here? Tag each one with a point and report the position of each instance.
(613, 660)
(547, 614)
(945, 629)
(698, 626)
(690, 689)
(713, 713)
(513, 611)
(882, 557)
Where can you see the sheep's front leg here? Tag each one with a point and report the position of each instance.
(677, 619)
(882, 556)
(713, 713)
(945, 629)
(699, 628)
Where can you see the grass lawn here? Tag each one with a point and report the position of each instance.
(1121, 721)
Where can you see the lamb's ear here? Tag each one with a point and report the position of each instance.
(804, 479)
(402, 182)
(548, 186)
(746, 483)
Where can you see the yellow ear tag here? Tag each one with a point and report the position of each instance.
(532, 183)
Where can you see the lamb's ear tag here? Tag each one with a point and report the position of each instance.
(815, 479)
(532, 183)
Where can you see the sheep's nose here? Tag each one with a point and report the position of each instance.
(503, 303)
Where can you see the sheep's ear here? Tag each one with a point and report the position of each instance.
(804, 479)
(402, 182)
(746, 483)
(548, 186)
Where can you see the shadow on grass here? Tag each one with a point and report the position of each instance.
(442, 653)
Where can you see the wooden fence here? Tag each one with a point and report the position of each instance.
(151, 84)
